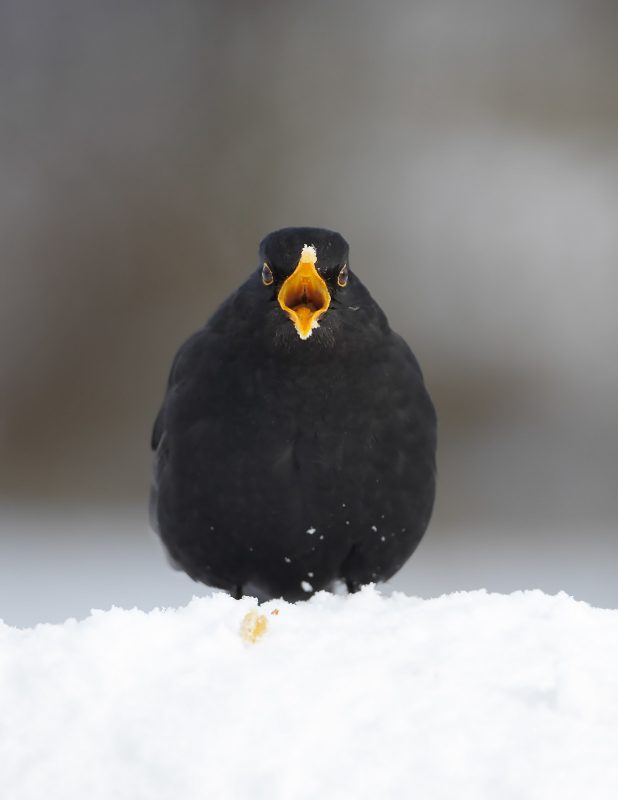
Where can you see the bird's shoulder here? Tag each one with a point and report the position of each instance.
(400, 395)
(184, 364)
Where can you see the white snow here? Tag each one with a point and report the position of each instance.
(470, 695)
(309, 254)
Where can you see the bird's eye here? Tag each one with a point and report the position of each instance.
(267, 275)
(342, 278)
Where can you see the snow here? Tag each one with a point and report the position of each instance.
(308, 254)
(469, 695)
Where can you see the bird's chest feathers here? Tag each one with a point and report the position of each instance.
(293, 417)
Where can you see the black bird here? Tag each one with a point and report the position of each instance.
(296, 442)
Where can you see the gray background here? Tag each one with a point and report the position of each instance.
(467, 149)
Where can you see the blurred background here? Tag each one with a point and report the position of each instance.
(468, 151)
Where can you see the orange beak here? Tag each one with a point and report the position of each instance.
(304, 295)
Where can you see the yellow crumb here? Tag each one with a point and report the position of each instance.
(253, 626)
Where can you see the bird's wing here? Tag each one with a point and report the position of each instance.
(181, 366)
(399, 474)
(184, 362)
(157, 431)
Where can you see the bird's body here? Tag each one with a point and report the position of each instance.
(283, 461)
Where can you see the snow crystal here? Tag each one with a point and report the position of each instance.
(311, 530)
(306, 586)
(374, 529)
(471, 695)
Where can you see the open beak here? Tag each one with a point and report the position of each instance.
(304, 295)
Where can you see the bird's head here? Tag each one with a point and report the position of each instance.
(304, 269)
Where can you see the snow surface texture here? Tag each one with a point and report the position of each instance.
(470, 695)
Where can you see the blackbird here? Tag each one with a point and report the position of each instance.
(296, 443)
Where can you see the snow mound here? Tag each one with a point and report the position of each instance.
(470, 695)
